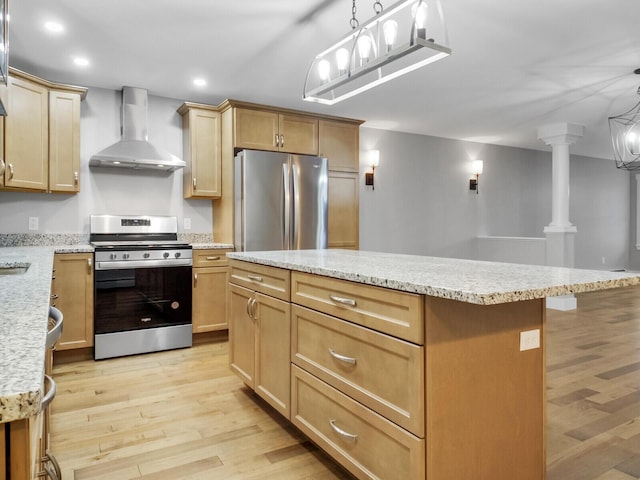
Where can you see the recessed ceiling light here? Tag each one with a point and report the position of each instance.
(54, 27)
(199, 82)
(81, 62)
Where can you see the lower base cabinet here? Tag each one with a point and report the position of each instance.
(209, 292)
(394, 385)
(365, 443)
(259, 344)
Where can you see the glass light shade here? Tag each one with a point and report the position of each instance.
(477, 166)
(386, 46)
(324, 70)
(374, 158)
(420, 13)
(342, 60)
(365, 45)
(625, 138)
(390, 29)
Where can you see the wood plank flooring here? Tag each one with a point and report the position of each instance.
(183, 415)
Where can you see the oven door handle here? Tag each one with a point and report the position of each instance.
(177, 262)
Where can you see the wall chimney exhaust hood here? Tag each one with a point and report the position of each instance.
(134, 151)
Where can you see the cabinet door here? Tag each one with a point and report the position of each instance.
(210, 299)
(298, 134)
(242, 334)
(72, 291)
(202, 152)
(26, 136)
(343, 210)
(273, 357)
(64, 142)
(339, 142)
(256, 129)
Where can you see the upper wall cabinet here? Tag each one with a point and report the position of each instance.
(42, 135)
(339, 142)
(201, 148)
(280, 132)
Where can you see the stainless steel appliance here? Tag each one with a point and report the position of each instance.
(142, 298)
(280, 201)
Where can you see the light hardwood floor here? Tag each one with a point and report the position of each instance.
(183, 415)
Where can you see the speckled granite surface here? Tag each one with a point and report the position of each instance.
(24, 307)
(211, 246)
(470, 281)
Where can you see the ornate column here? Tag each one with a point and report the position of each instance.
(560, 232)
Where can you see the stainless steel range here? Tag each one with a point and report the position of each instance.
(142, 298)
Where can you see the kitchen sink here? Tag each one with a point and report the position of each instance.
(15, 269)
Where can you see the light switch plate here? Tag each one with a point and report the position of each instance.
(187, 224)
(33, 223)
(530, 340)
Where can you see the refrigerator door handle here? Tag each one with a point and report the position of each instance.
(286, 208)
(295, 227)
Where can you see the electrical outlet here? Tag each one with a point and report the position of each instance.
(187, 224)
(33, 223)
(530, 340)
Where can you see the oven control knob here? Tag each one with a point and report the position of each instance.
(125, 256)
(177, 254)
(165, 254)
(113, 256)
(146, 255)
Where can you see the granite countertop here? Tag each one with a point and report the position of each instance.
(24, 310)
(211, 246)
(471, 281)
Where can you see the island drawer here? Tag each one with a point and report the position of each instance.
(396, 313)
(210, 258)
(366, 444)
(380, 371)
(271, 281)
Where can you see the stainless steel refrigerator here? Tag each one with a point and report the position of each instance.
(280, 201)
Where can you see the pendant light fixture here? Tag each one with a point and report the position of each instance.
(407, 36)
(625, 137)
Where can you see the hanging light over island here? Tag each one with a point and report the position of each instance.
(407, 36)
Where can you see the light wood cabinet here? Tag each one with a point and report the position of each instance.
(202, 151)
(343, 210)
(64, 142)
(398, 385)
(72, 294)
(269, 130)
(41, 135)
(26, 135)
(339, 142)
(209, 294)
(259, 342)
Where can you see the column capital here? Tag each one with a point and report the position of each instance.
(560, 133)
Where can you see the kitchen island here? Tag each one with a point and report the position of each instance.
(402, 366)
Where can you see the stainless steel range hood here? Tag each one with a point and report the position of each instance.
(134, 150)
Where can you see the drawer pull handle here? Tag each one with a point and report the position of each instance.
(342, 358)
(255, 278)
(339, 431)
(344, 301)
(51, 393)
(213, 258)
(195, 280)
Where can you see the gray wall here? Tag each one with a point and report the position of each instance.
(422, 203)
(109, 190)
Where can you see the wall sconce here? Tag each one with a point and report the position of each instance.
(476, 169)
(374, 161)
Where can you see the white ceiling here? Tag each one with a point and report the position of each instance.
(515, 64)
